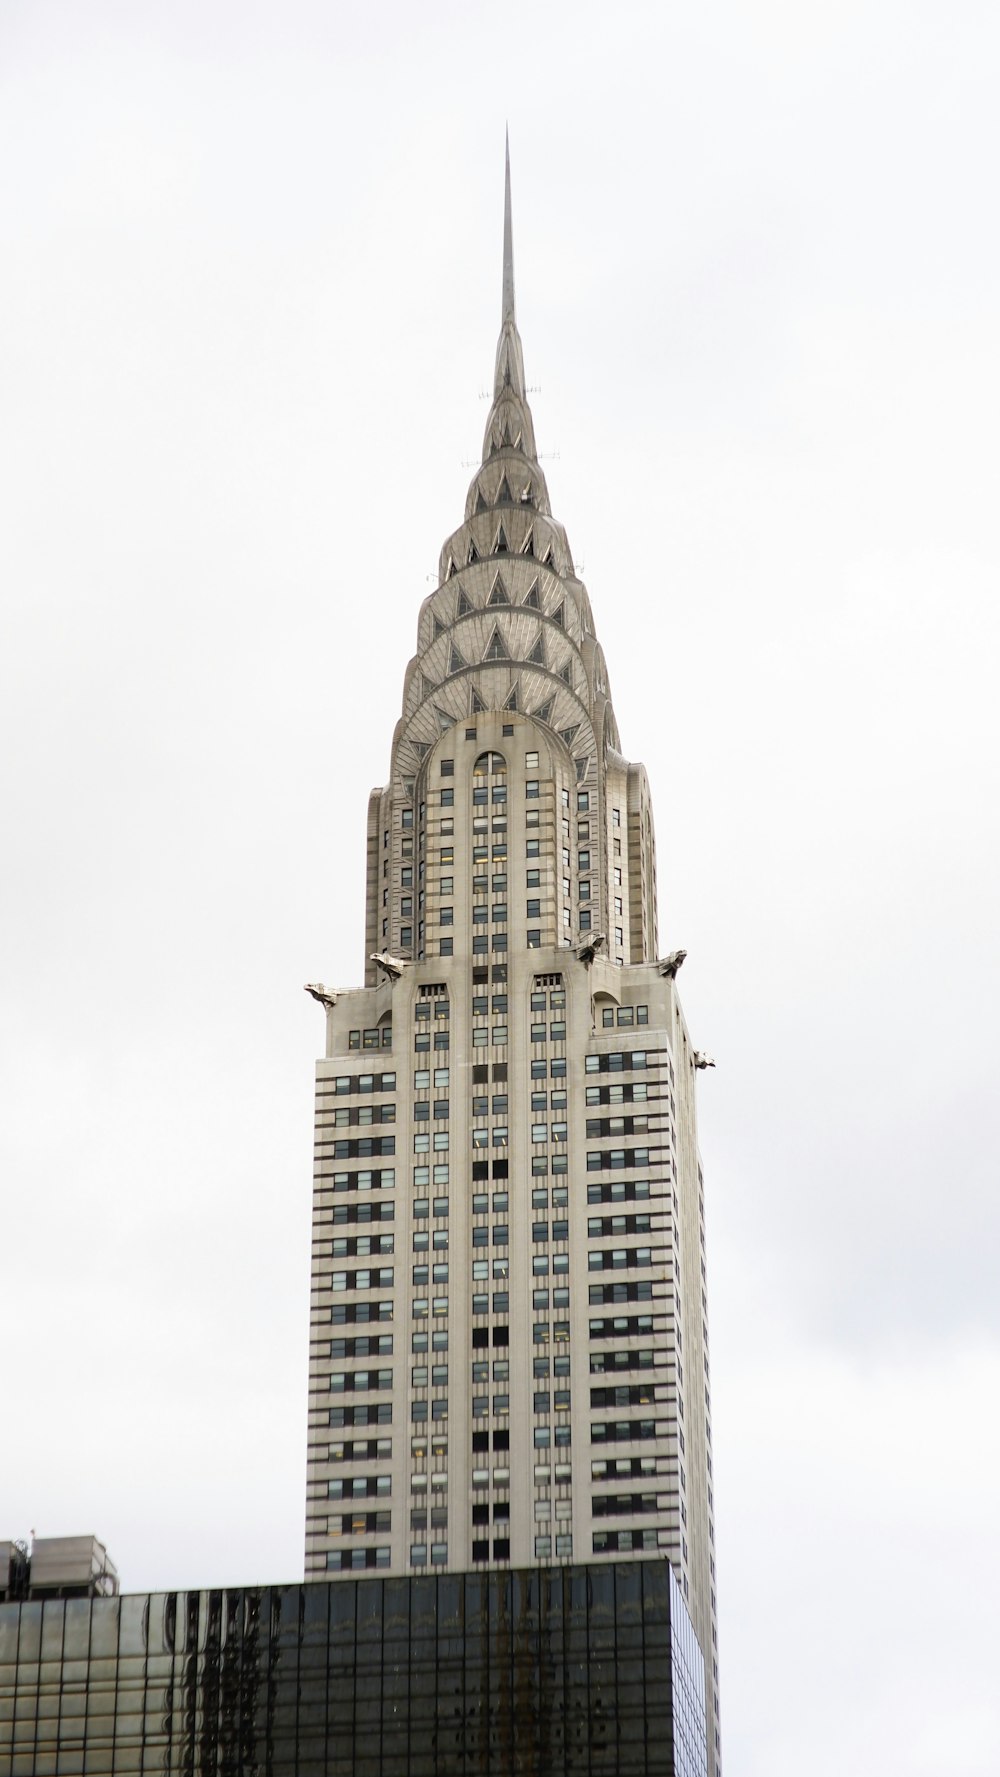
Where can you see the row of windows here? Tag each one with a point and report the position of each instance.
(621, 1326)
(356, 1560)
(619, 1191)
(623, 1258)
(359, 1381)
(370, 1279)
(597, 1126)
(357, 1083)
(364, 1345)
(616, 1061)
(358, 1313)
(617, 1159)
(361, 1450)
(381, 1037)
(543, 1545)
(418, 1554)
(360, 1487)
(361, 1245)
(632, 1394)
(623, 1015)
(383, 1180)
(361, 1147)
(607, 1541)
(361, 1212)
(637, 1092)
(603, 1362)
(423, 1175)
(418, 1411)
(602, 1226)
(359, 1524)
(608, 1293)
(367, 1413)
(622, 1431)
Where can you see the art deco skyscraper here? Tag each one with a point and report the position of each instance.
(509, 1327)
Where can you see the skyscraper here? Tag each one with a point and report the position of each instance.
(509, 1359)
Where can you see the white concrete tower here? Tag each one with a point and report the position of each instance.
(509, 1324)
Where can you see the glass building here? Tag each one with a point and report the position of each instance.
(560, 1672)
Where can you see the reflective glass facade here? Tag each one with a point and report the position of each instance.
(553, 1671)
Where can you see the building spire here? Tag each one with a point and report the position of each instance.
(509, 377)
(508, 243)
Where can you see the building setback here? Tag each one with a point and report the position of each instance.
(509, 1359)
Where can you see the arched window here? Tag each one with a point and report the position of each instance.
(489, 765)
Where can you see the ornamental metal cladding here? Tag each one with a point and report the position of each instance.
(560, 1672)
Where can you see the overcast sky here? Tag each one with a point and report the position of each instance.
(250, 303)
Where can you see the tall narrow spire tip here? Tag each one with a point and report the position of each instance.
(508, 240)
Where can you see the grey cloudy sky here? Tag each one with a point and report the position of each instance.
(251, 297)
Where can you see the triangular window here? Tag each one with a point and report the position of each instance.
(498, 596)
(500, 546)
(544, 710)
(438, 628)
(421, 748)
(480, 502)
(473, 554)
(477, 703)
(581, 769)
(528, 546)
(497, 648)
(548, 558)
(456, 662)
(510, 702)
(531, 596)
(503, 493)
(537, 655)
(566, 672)
(408, 783)
(464, 606)
(451, 568)
(559, 615)
(444, 720)
(569, 734)
(427, 685)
